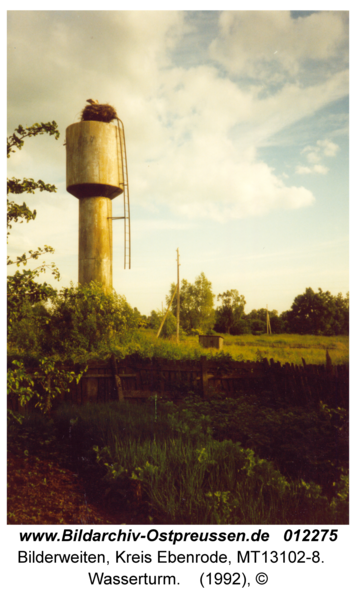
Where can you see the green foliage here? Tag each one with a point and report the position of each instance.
(302, 443)
(257, 327)
(26, 324)
(27, 332)
(93, 321)
(22, 294)
(229, 314)
(170, 324)
(20, 384)
(52, 381)
(80, 323)
(146, 345)
(15, 141)
(196, 304)
(255, 322)
(15, 211)
(283, 348)
(319, 313)
(169, 462)
(161, 459)
(23, 290)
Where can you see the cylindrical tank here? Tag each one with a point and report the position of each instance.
(93, 160)
(94, 176)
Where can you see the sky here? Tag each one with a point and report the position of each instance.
(236, 128)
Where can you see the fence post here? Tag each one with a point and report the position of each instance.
(329, 364)
(204, 375)
(117, 379)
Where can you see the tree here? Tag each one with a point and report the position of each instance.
(257, 318)
(22, 288)
(196, 304)
(170, 325)
(276, 322)
(23, 292)
(342, 314)
(230, 313)
(319, 313)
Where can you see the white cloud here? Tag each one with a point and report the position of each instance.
(260, 43)
(314, 155)
(321, 169)
(302, 170)
(221, 187)
(328, 147)
(192, 134)
(57, 60)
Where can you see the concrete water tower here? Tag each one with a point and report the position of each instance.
(96, 174)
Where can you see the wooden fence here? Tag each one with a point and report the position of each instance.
(135, 379)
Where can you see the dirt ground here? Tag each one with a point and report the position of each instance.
(41, 490)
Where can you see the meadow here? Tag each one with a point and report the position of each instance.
(284, 348)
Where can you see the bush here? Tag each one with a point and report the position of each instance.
(85, 319)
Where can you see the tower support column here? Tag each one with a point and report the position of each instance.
(95, 241)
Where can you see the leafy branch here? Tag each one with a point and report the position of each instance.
(21, 212)
(29, 186)
(31, 254)
(15, 141)
(53, 381)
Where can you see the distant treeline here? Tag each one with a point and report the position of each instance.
(313, 313)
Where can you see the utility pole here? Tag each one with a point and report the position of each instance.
(167, 311)
(269, 330)
(178, 295)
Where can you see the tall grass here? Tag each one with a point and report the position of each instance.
(284, 348)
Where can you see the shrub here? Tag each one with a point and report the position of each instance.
(85, 319)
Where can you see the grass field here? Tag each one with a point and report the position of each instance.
(283, 347)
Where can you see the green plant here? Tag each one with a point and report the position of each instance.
(23, 386)
(20, 384)
(94, 321)
(169, 464)
(22, 286)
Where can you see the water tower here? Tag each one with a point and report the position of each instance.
(96, 174)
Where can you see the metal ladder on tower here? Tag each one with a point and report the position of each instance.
(125, 183)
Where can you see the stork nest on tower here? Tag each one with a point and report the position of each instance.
(98, 112)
